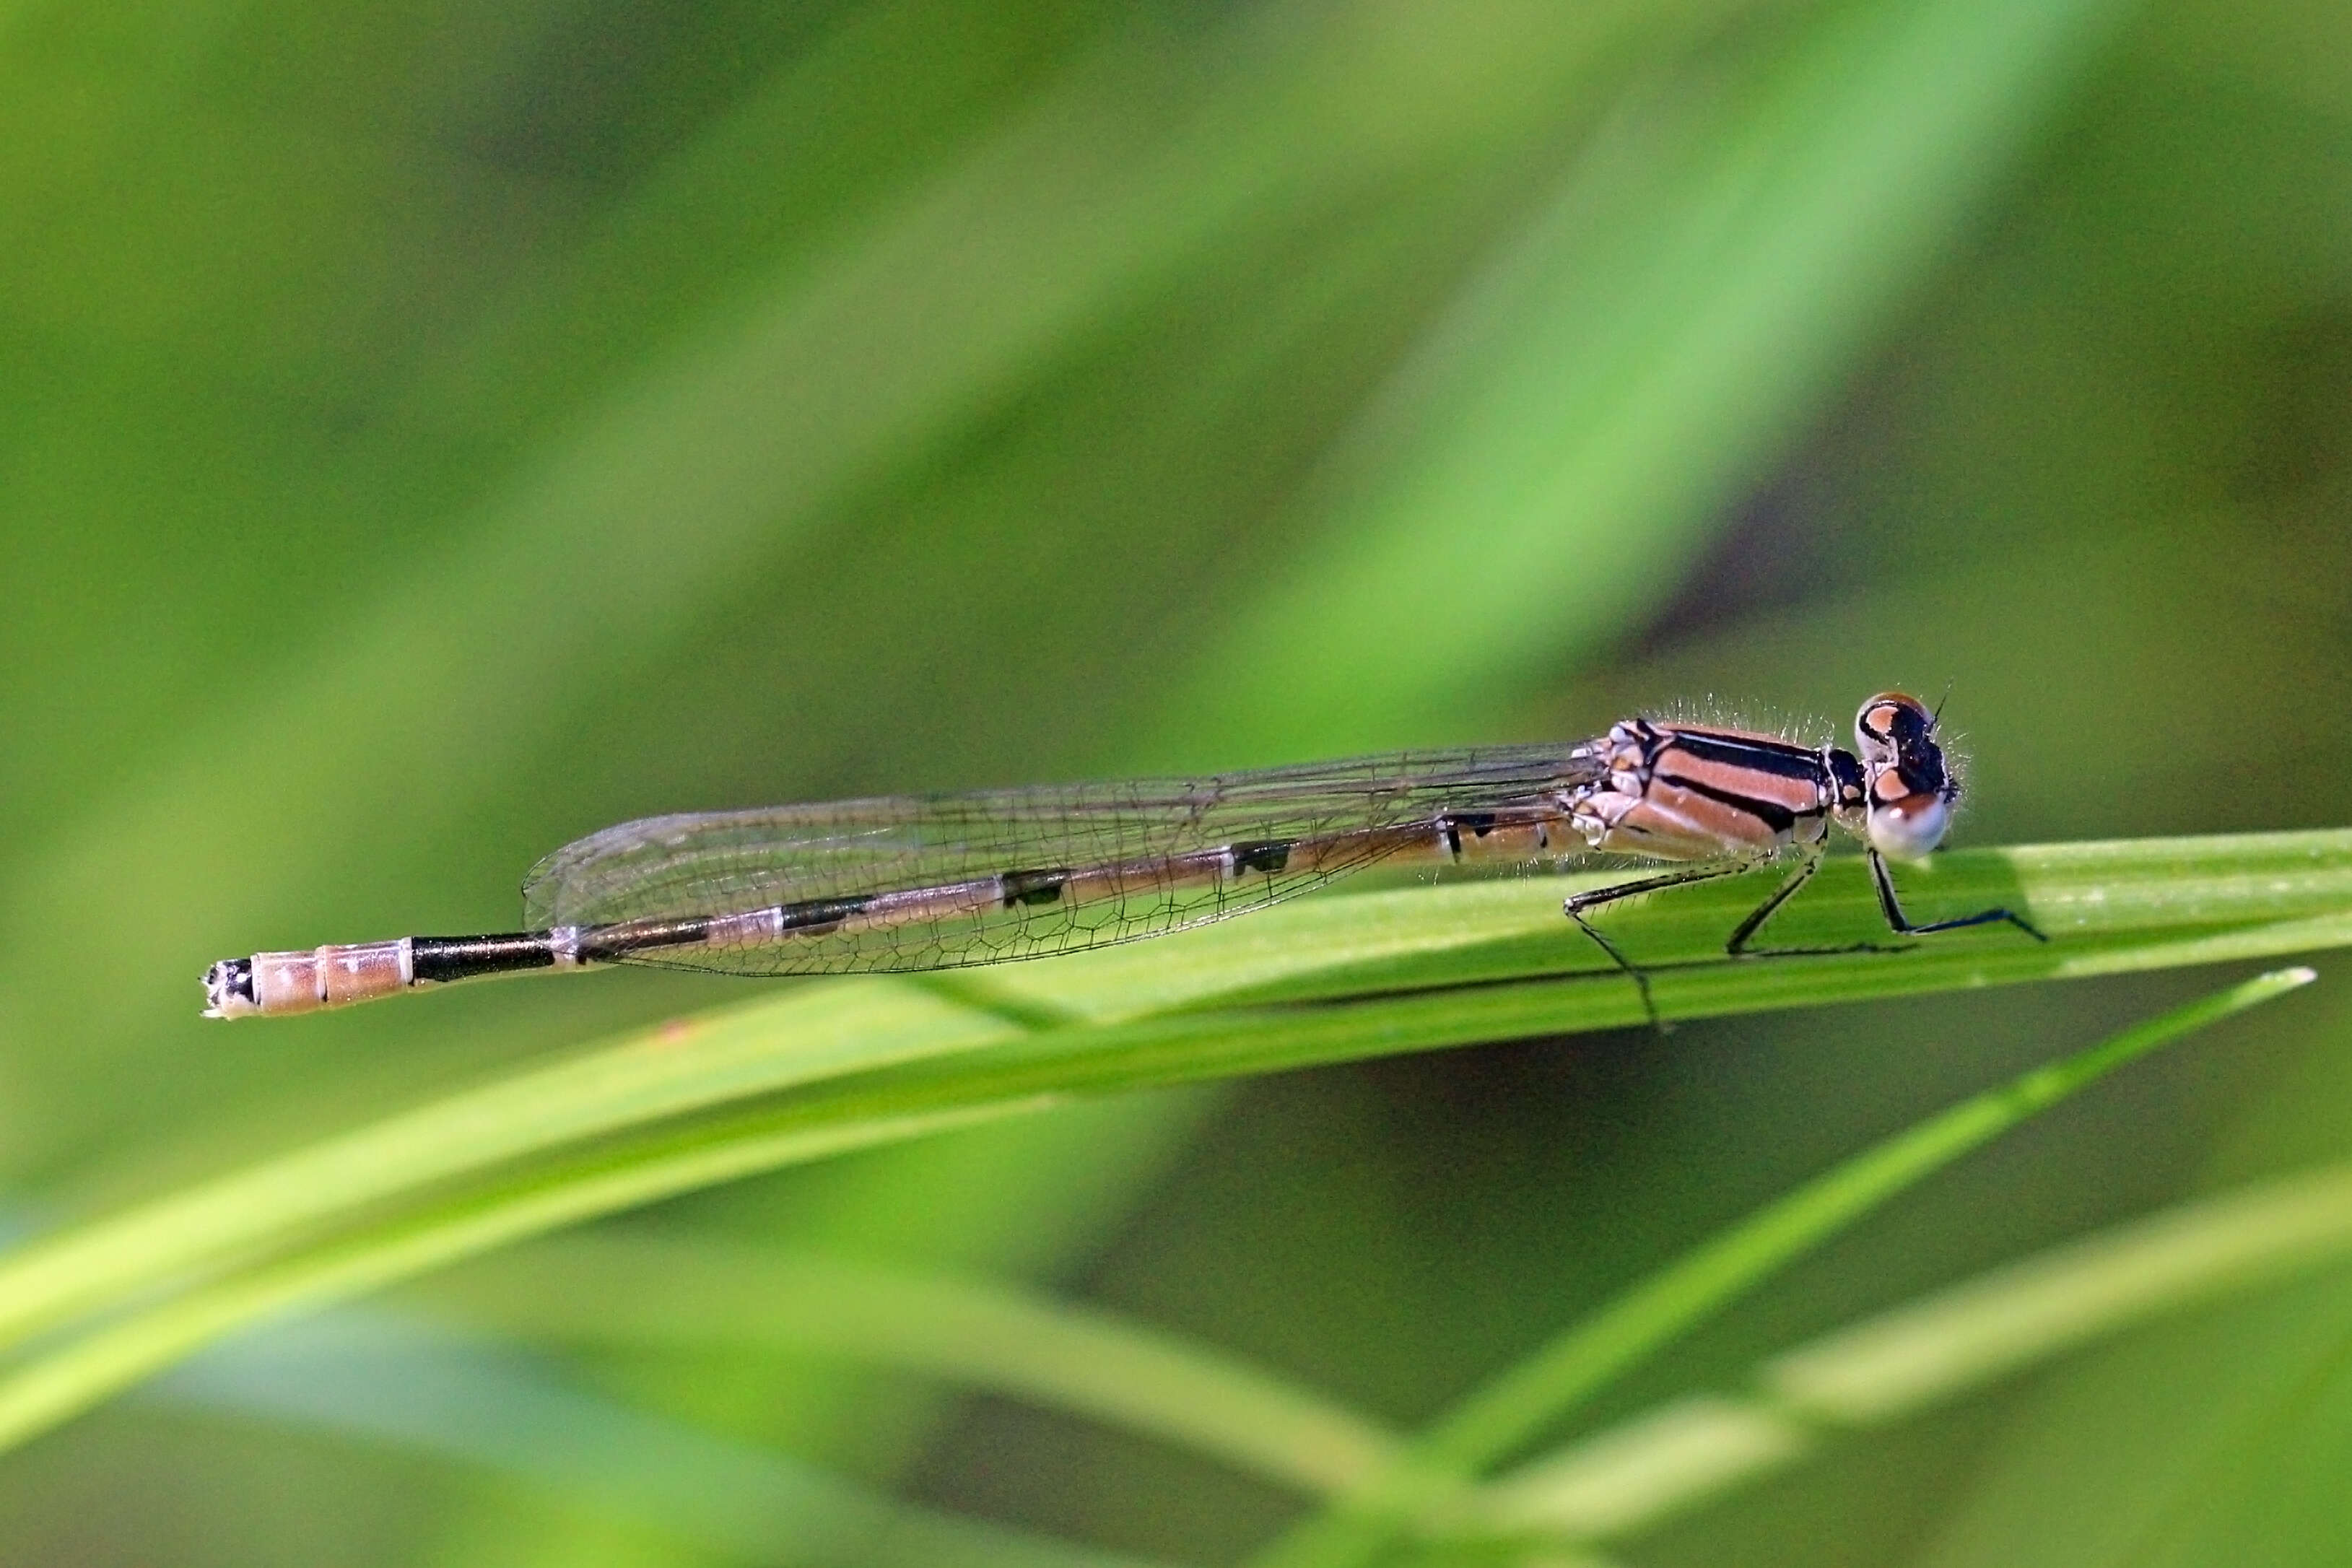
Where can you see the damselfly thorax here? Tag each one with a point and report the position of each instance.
(902, 883)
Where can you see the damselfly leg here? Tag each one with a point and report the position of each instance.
(1741, 944)
(1577, 904)
(1738, 946)
(1892, 907)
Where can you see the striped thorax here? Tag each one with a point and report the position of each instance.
(1694, 791)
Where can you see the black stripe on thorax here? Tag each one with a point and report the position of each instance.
(1779, 758)
(1770, 812)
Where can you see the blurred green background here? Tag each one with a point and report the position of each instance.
(431, 431)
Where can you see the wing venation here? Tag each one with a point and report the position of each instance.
(1147, 842)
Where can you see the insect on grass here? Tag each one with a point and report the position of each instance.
(902, 883)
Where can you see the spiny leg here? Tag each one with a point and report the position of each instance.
(1577, 904)
(1892, 907)
(1738, 946)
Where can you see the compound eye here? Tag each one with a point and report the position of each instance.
(1891, 723)
(1910, 826)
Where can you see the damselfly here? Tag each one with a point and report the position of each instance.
(940, 882)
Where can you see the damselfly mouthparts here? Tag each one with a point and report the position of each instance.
(934, 883)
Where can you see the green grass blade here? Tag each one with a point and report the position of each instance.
(384, 1380)
(1907, 1361)
(78, 1373)
(1710, 268)
(828, 1067)
(2108, 905)
(701, 1294)
(1516, 1407)
(647, 1077)
(2108, 908)
(1641, 1470)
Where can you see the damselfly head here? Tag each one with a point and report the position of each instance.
(1910, 790)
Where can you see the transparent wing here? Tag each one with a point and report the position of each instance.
(1138, 852)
